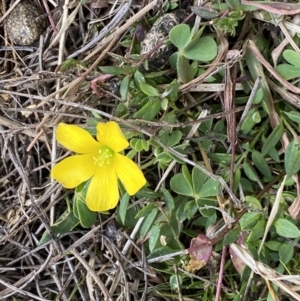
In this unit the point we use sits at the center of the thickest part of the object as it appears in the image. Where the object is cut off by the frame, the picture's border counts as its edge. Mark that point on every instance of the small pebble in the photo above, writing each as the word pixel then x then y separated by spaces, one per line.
pixel 25 24
pixel 160 31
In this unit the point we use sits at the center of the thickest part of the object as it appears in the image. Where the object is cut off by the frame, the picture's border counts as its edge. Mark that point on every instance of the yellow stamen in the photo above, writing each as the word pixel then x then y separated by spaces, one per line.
pixel 104 156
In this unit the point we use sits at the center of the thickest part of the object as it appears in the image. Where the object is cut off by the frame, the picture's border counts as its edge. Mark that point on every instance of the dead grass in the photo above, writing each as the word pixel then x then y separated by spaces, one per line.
pixel 81 265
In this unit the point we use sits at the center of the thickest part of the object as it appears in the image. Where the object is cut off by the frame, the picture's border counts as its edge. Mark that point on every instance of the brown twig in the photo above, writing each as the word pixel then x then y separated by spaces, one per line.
pixel 46 6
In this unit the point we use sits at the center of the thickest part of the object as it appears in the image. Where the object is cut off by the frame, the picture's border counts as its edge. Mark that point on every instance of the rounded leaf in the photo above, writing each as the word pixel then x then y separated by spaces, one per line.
pixel 184 69
pixel 293 115
pixel 149 110
pixel 286 228
pixel 273 139
pixel 204 50
pixel 87 217
pixel 180 185
pixel 198 178
pixel 292 57
pixel 124 87
pixel 292 159
pixel 286 252
pixel 123 208
pixel 210 188
pixel 148 89
pixel 261 164
pixel 288 71
pixel 180 36
pixel 175 282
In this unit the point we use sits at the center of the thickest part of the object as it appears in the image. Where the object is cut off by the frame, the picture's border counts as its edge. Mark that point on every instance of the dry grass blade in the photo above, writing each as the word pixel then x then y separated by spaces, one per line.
pixel 255 51
pixel 267 273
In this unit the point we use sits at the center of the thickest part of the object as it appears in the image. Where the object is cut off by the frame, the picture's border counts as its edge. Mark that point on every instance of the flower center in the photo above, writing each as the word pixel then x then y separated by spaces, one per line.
pixel 103 157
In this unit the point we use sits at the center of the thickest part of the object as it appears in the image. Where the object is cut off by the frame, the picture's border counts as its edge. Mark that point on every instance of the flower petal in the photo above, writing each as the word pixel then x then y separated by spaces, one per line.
pixel 74 170
pixel 76 139
pixel 103 192
pixel 129 174
pixel 111 135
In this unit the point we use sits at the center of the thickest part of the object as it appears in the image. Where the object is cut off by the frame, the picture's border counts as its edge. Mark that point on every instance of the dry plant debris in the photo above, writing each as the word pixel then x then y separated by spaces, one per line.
pixel 211 113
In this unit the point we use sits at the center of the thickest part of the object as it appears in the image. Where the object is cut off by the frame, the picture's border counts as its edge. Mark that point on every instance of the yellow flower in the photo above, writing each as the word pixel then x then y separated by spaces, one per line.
pixel 99 160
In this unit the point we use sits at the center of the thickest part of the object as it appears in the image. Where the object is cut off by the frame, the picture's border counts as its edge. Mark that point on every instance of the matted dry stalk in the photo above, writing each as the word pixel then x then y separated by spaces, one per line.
pixel 30 77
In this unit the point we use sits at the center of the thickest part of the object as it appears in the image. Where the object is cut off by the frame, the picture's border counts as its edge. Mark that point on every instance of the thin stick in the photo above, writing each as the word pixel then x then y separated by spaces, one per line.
pixel 249 104
pixel 9 10
pixel 221 272
pixel 258 56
